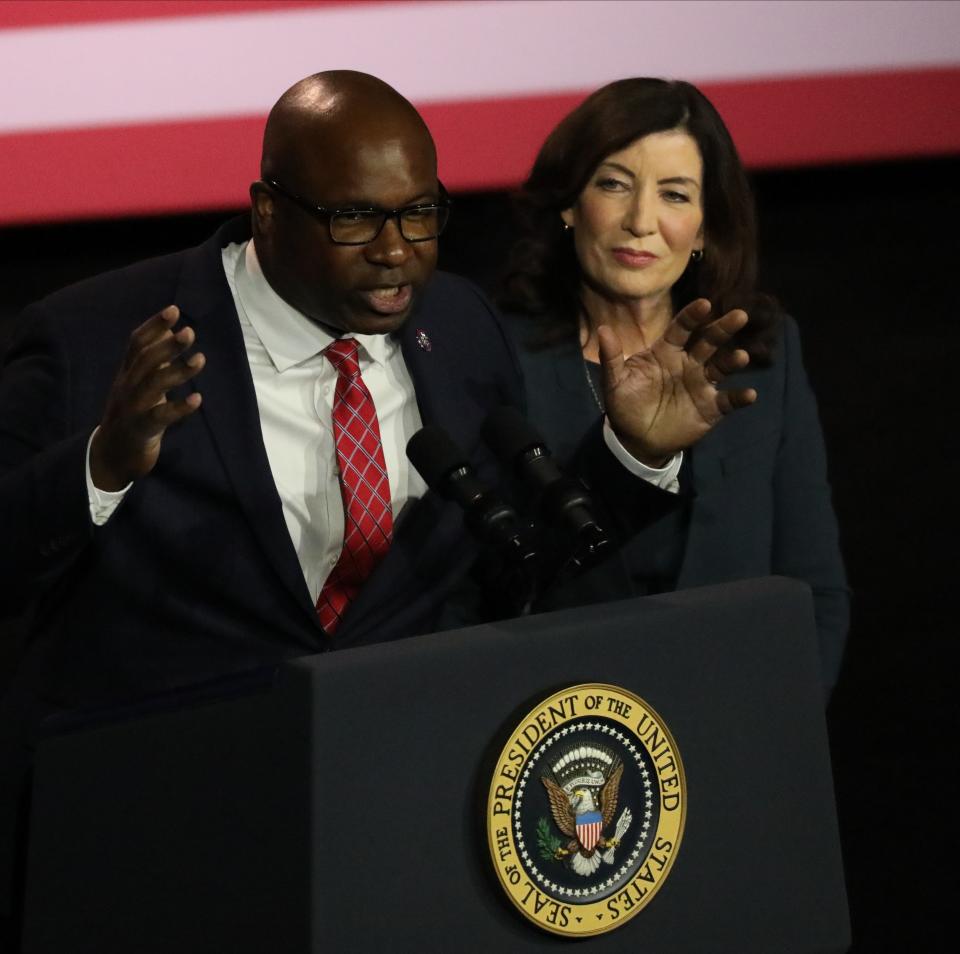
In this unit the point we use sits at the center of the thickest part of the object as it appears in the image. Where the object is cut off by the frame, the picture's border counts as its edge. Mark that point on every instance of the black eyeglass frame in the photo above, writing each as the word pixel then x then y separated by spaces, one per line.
pixel 320 212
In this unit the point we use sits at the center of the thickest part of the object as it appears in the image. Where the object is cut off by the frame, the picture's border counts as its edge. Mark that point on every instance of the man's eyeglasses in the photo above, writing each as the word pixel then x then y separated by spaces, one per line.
pixel 417 223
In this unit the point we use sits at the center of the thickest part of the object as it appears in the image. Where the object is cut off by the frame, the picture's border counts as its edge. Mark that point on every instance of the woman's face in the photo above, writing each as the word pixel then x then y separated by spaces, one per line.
pixel 640 216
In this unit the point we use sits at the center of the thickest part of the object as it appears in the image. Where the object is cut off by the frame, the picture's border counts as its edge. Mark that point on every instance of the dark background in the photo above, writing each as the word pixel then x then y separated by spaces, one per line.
pixel 862 256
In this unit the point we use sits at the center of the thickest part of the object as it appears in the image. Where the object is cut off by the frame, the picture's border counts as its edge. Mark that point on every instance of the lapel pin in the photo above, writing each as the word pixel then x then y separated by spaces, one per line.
pixel 423 340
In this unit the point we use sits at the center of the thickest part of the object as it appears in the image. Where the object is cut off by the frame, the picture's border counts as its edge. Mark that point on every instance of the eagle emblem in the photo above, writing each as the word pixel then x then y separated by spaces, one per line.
pixel 586 809
pixel 583 788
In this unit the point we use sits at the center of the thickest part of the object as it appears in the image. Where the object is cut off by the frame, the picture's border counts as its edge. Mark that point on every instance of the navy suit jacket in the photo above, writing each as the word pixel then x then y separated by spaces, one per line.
pixel 759 501
pixel 195 574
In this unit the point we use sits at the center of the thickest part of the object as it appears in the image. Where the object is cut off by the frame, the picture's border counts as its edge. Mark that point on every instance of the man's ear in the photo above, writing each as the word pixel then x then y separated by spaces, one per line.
pixel 261 208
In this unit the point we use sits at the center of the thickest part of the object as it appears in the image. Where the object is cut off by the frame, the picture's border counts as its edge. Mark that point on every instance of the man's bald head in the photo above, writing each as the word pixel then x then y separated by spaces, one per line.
pixel 328 111
pixel 345 142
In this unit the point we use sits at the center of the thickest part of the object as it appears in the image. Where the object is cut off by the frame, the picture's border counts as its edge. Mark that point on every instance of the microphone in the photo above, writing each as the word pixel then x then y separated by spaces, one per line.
pixel 445 468
pixel 563 501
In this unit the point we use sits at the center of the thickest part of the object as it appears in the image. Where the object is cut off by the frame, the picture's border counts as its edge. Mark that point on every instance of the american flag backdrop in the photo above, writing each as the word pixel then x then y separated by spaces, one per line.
pixel 120 107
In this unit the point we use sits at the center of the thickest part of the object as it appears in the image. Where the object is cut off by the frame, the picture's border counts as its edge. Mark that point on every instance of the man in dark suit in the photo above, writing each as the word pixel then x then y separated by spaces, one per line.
pixel 215 511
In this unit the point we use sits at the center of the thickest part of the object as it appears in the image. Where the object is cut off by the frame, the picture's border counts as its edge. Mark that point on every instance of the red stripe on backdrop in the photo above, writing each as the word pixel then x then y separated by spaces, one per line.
pixel 775 123
pixel 128 170
pixel 489 144
pixel 843 118
pixel 42 13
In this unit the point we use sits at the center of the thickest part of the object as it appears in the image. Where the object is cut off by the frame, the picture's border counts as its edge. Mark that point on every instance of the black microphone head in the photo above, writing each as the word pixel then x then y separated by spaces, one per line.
pixel 509 434
pixel 433 452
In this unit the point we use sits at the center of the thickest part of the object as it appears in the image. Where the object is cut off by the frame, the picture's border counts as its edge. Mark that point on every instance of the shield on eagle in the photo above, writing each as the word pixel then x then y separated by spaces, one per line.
pixel 589 827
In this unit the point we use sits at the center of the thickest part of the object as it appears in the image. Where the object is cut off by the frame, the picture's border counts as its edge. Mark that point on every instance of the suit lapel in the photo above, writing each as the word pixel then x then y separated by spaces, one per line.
pixel 422 341
pixel 230 409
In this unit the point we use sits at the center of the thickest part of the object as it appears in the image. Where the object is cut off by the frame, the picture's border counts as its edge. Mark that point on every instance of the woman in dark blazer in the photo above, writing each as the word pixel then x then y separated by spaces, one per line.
pixel 637 204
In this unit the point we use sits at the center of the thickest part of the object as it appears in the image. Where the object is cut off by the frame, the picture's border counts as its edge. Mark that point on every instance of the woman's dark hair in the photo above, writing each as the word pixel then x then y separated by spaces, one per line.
pixel 543 275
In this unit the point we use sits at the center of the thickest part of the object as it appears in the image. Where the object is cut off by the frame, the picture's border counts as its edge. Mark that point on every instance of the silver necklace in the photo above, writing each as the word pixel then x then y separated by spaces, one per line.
pixel 593 390
pixel 585 326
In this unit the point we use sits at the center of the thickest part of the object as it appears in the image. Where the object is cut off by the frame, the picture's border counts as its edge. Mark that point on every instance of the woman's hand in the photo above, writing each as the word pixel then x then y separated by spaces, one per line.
pixel 665 399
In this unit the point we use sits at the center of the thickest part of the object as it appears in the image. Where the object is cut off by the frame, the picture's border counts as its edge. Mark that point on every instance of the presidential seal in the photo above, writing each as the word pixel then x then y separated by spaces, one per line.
pixel 586 810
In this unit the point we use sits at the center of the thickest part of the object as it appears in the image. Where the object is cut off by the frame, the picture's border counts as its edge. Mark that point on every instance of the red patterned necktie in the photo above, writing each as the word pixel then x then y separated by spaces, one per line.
pixel 364 484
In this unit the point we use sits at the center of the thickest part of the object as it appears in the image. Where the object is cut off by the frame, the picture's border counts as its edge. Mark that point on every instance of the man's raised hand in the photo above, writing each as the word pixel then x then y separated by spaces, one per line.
pixel 664 399
pixel 137 413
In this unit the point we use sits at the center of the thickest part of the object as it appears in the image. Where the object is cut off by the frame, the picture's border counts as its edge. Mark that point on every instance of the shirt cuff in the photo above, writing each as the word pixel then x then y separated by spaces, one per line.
pixel 102 502
pixel 666 478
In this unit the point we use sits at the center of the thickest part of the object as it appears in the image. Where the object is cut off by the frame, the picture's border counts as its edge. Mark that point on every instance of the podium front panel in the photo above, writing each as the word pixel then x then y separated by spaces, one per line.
pixel 342 808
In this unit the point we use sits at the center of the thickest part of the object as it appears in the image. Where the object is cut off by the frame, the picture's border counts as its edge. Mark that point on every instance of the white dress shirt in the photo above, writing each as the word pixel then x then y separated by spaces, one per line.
pixel 295 386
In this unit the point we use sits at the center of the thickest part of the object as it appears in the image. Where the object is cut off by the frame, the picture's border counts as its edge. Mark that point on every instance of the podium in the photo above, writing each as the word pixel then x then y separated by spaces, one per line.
pixel 339 805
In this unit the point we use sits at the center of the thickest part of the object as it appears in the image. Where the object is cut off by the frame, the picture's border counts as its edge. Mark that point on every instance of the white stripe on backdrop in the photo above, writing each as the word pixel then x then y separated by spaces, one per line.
pixel 198 67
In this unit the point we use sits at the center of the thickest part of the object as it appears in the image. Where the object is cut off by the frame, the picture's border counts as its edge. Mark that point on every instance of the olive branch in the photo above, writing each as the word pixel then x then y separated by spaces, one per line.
pixel 547 842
